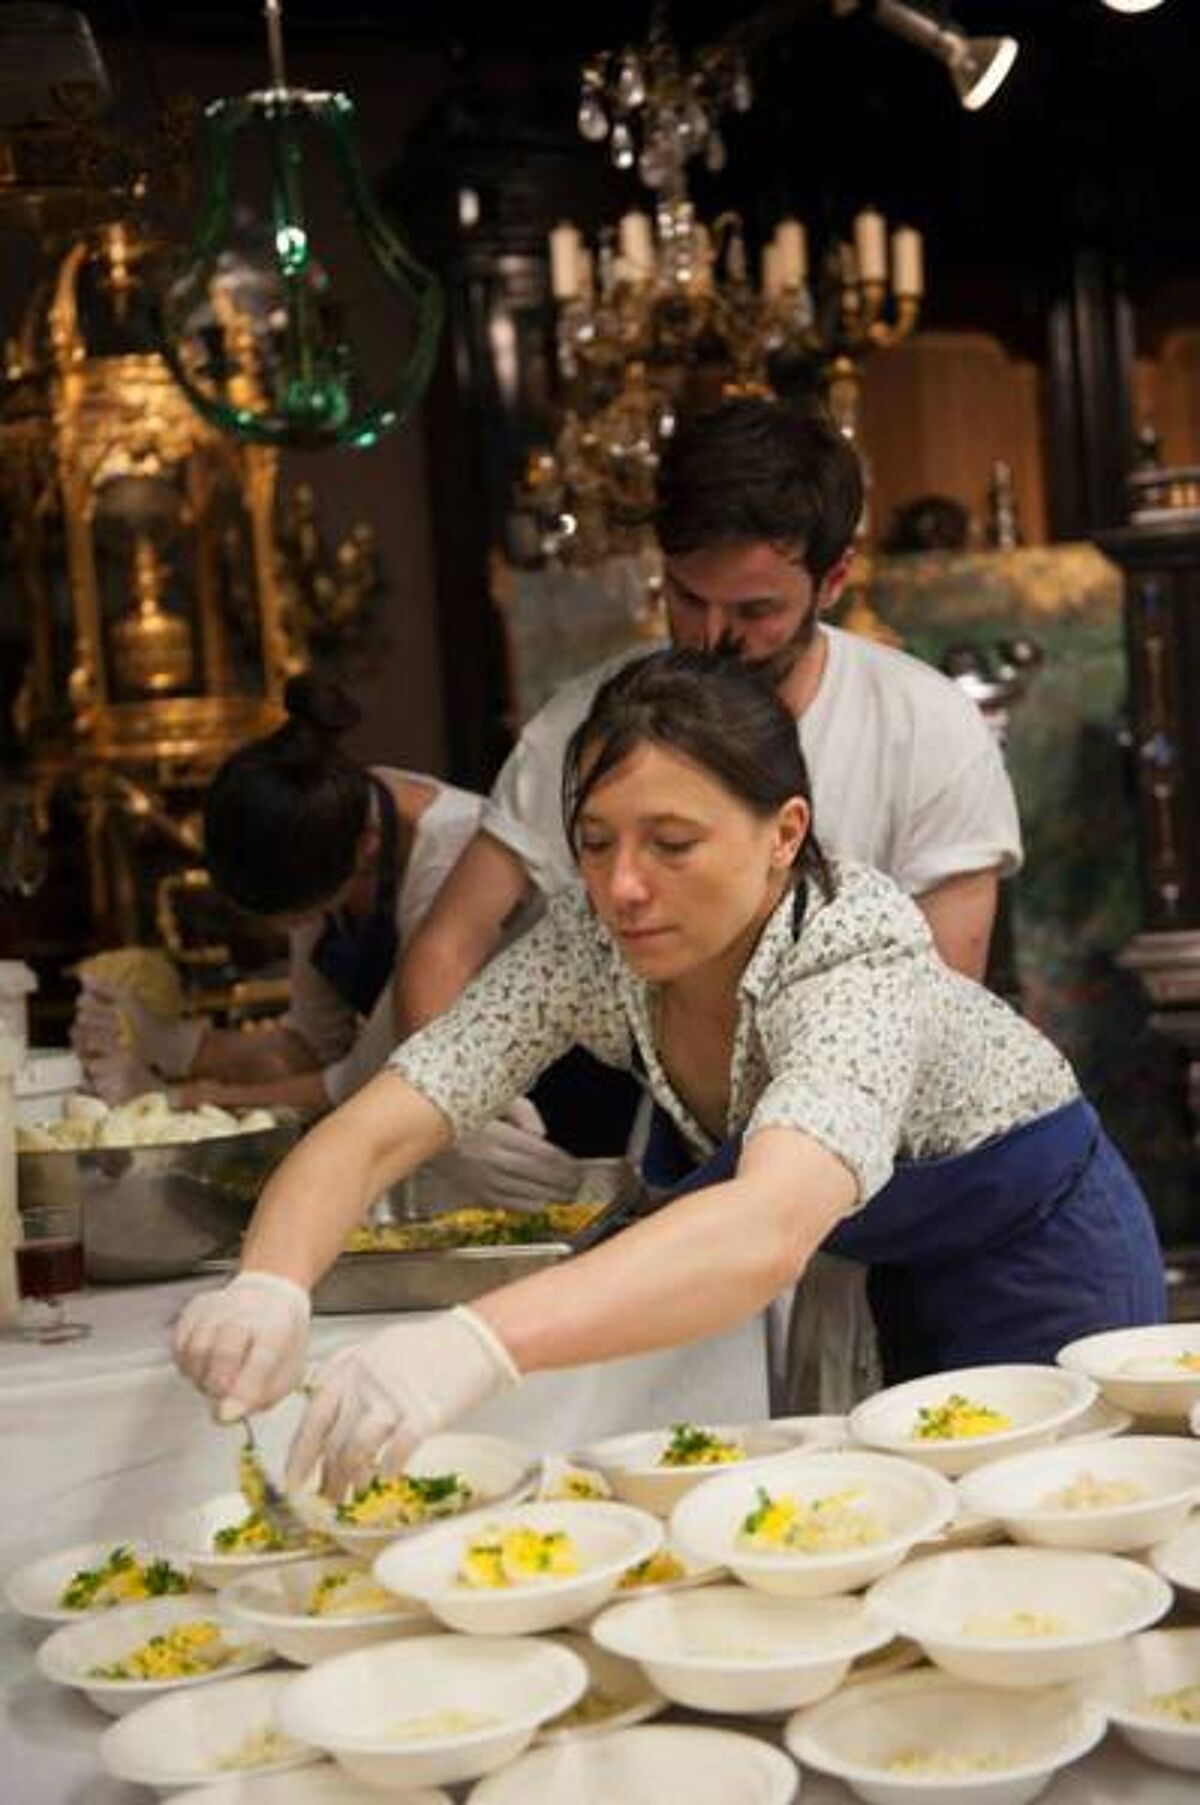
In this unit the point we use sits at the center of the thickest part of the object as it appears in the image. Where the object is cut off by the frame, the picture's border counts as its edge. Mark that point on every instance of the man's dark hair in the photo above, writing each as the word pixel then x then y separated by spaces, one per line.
pixel 713 709
pixel 754 469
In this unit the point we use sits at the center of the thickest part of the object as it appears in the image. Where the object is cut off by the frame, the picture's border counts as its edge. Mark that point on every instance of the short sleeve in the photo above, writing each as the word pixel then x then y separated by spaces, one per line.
pixel 841 1033
pixel 550 989
pixel 964 817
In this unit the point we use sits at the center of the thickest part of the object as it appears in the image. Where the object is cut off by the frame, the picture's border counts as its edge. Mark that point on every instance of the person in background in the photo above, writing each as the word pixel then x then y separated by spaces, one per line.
pixel 824 1076
pixel 347 861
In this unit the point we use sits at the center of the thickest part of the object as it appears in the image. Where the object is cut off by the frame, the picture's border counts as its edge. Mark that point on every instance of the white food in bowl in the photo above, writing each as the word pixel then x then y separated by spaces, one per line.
pixel 314 1609
pixel 1110 1496
pixel 1038 1404
pixel 634 1465
pixel 660 1762
pixel 906 1504
pixel 603 1540
pixel 73 1655
pixel 1020 1617
pixel 432 1710
pixel 1153 1371
pixel 732 1650
pixel 926 1739
pixel 194 1737
pixel 1151 1692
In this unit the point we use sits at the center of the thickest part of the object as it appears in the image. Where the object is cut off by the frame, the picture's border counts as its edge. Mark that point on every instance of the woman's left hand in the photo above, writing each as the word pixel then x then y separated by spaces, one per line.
pixel 374 1402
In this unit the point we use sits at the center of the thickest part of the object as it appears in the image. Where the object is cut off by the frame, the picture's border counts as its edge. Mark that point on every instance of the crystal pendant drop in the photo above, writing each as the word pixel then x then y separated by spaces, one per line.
pixel 622 145
pixel 591 118
pixel 631 89
pixel 715 156
pixel 743 90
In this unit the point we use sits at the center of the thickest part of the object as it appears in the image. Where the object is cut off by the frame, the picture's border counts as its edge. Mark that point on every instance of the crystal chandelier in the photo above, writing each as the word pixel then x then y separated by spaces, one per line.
pixel 658 109
pixel 665 314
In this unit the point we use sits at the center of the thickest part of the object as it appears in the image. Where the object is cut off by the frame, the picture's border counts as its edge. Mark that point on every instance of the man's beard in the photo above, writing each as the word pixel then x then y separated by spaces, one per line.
pixel 778 665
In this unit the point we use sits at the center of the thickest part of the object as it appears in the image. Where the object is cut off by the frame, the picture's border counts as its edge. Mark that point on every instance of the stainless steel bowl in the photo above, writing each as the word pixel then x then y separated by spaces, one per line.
pixel 156 1212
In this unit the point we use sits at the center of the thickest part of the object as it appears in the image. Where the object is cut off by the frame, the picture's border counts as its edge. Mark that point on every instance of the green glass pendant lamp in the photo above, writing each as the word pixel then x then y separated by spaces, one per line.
pixel 253 326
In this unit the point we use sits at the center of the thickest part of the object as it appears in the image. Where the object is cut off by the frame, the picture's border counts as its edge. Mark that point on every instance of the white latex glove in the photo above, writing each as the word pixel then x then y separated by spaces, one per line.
pixel 374 1402
pixel 245 1347
pixel 509 1164
pixel 168 1043
pixel 119 1075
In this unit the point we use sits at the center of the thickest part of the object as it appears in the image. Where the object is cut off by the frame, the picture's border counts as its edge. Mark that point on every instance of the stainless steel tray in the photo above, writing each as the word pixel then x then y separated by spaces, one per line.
pixel 360 1282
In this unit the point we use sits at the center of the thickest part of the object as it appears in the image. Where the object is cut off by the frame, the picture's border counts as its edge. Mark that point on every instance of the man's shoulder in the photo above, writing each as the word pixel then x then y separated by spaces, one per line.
pixel 898 684
pixel 562 712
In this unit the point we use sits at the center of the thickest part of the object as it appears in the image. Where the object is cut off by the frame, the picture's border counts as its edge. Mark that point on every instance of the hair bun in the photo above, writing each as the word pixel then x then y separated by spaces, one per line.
pixel 321 704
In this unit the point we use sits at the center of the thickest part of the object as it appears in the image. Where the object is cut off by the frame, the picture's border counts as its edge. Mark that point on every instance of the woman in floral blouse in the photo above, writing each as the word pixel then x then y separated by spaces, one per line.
pixel 820 1078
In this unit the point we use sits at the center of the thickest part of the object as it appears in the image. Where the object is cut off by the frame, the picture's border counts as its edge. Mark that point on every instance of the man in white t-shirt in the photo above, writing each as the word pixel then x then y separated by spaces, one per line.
pixel 758 504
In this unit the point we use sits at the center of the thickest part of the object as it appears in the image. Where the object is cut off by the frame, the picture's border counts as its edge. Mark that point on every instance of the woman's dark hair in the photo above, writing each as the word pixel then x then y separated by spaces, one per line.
pixel 760 470
pixel 709 706
pixel 284 815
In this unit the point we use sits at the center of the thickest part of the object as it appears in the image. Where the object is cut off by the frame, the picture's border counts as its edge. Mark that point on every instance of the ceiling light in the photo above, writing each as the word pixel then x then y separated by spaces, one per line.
pixel 977 66
pixel 1132 6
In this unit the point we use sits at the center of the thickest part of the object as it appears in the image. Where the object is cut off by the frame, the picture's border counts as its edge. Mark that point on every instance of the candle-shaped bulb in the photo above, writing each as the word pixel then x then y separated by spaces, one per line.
pixel 566 247
pixel 870 245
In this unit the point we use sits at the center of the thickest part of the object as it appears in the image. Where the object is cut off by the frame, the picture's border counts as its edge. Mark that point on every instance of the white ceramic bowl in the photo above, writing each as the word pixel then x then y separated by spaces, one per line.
pixel 358 1706
pixel 1042 1402
pixel 272 1608
pixel 631 1463
pixel 618 1694
pixel 195 1738
pixel 186 1538
pixel 35 1589
pixel 855 1736
pixel 499 1472
pixel 670 1763
pixel 967 1610
pixel 1018 1492
pixel 67 1656
pixel 911 1502
pixel 732 1650
pixel 1178 1559
pixel 1145 1667
pixel 322 1785
pixel 610 1538
pixel 1099 1422
pixel 1138 1370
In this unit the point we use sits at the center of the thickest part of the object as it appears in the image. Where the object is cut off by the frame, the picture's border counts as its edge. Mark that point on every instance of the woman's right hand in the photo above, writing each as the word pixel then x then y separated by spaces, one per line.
pixel 245 1347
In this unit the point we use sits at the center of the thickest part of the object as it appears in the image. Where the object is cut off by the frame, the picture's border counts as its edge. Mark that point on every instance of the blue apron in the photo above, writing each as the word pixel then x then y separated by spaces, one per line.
pixel 357 956
pixel 1000 1254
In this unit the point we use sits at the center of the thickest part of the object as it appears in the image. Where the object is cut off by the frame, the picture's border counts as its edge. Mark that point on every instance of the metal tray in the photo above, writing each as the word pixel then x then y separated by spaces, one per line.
pixel 361 1282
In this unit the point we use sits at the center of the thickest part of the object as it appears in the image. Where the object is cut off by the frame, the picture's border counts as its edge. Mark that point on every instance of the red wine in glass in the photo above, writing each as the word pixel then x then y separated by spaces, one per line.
pixel 51 1268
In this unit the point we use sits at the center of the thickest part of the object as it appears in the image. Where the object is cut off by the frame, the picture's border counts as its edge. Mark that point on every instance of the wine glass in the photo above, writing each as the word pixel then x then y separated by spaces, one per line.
pixel 49 1259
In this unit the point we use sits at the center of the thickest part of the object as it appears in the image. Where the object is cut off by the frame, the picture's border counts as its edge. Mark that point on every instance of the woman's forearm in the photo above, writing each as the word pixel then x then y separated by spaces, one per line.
pixel 698 1267
pixel 324 1187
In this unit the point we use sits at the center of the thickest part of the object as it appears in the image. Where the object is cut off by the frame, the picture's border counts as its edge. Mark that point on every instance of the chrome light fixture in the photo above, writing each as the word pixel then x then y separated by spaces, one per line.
pixel 977 66
pixel 254 328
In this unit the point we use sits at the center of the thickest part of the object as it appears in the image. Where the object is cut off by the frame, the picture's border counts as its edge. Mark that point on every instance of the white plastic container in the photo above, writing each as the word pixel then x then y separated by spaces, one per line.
pixel 44 1082
pixel 17 983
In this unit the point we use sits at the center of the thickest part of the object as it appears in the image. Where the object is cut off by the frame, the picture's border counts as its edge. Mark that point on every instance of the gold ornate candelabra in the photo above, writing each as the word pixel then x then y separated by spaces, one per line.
pixel 665 315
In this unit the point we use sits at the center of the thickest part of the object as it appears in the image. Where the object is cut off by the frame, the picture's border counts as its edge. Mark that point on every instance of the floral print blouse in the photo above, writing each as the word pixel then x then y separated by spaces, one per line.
pixel 849 1029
